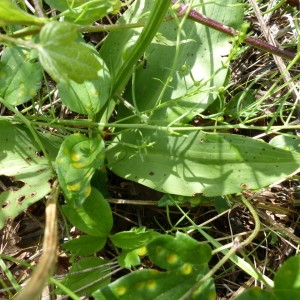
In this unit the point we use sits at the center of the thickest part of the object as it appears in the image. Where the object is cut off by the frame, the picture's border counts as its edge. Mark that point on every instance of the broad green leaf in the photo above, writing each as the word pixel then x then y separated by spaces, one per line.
pixel 87 97
pixel 154 285
pixel 24 170
pixel 167 90
pixel 85 245
pixel 198 162
pixel 170 252
pixel 12 14
pixel 62 57
pixel 135 238
pixel 20 78
pixel 287 280
pixel 85 276
pixel 129 53
pixel 76 162
pixel 85 12
pixel 93 217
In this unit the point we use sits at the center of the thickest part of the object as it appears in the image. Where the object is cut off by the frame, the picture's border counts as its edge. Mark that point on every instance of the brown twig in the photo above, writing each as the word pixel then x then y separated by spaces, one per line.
pixel 202 19
pixel 47 262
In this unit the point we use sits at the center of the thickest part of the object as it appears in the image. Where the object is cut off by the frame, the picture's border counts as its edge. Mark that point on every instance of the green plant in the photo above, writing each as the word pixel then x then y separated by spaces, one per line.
pixel 135 99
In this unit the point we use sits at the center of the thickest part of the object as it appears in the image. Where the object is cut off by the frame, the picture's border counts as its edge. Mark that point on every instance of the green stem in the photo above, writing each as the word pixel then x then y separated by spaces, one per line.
pixel 89 124
pixel 236 246
pixel 156 17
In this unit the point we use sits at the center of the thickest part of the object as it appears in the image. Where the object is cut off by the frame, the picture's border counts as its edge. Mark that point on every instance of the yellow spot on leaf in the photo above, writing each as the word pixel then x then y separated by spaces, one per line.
pixel 172 258
pixel 154 272
pixel 78 165
pixel 75 156
pixel 142 251
pixel 151 284
pixel 187 269
pixel 3 75
pixel 73 187
pixel 87 191
pixel 66 150
pixel 121 290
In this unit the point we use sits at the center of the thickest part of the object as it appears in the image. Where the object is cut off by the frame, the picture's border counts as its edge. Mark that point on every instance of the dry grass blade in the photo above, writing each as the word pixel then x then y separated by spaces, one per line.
pixel 47 262
pixel 277 59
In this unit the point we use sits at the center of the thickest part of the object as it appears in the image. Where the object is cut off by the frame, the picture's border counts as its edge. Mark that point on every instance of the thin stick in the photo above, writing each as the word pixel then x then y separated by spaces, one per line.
pixel 202 19
pixel 47 262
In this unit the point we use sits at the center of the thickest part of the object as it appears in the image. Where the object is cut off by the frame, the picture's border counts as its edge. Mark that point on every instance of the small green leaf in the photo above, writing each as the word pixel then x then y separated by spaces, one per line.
pixel 63 58
pixel 85 276
pixel 93 217
pixel 20 78
pixel 135 238
pixel 131 258
pixel 87 97
pixel 85 12
pixel 76 162
pixel 154 285
pixel 12 14
pixel 171 253
pixel 286 142
pixel 85 245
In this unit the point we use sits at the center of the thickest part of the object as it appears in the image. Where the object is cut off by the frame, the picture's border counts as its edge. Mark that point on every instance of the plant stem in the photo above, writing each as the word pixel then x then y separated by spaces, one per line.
pixel 236 246
pixel 40 121
pixel 156 17
pixel 202 19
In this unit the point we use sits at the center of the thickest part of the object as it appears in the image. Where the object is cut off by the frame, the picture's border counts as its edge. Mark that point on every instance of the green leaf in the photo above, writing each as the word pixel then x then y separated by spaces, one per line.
pixel 135 238
pixel 122 65
pixel 12 14
pixel 286 284
pixel 88 97
pixel 131 258
pixel 287 280
pixel 85 245
pixel 255 293
pixel 86 275
pixel 168 90
pixel 198 162
pixel 76 162
pixel 85 12
pixel 170 252
pixel 93 217
pixel 20 78
pixel 171 200
pixel 286 142
pixel 63 58
pixel 23 169
pixel 154 285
